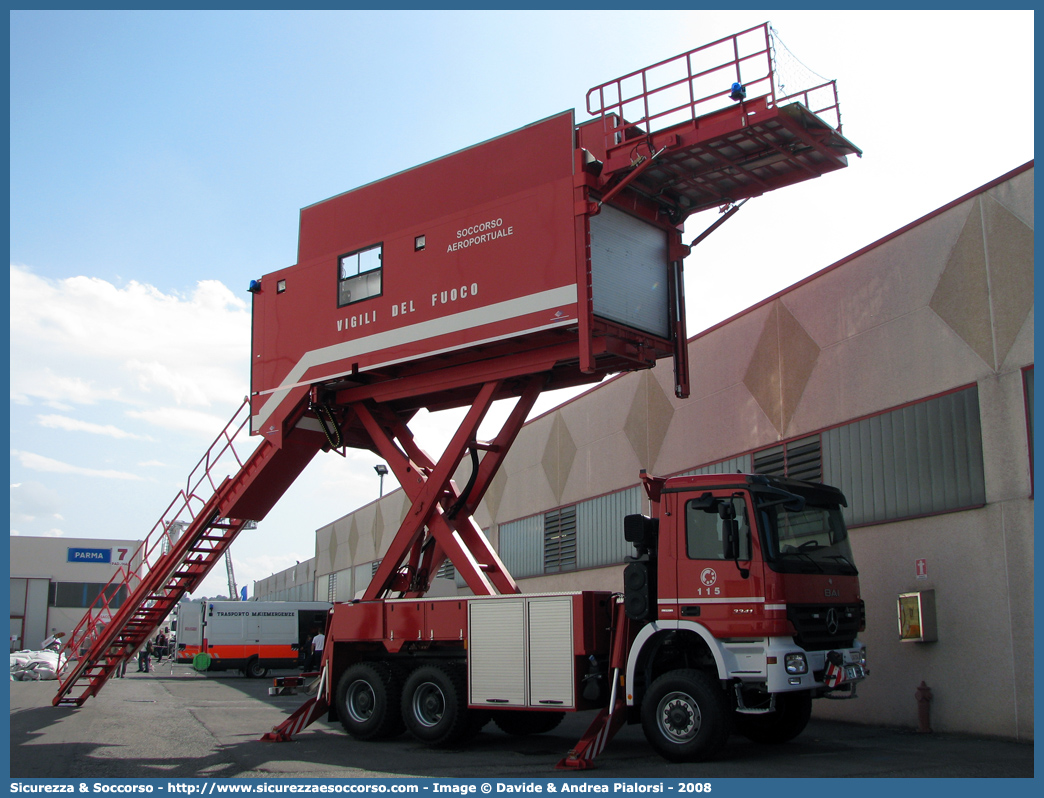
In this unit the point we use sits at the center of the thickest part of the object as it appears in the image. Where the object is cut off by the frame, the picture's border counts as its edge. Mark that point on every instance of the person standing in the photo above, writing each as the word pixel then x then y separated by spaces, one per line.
pixel 121 666
pixel 317 650
pixel 145 657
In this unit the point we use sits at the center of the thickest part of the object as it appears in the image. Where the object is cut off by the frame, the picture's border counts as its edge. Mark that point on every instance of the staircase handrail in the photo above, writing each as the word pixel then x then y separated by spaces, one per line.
pixel 145 556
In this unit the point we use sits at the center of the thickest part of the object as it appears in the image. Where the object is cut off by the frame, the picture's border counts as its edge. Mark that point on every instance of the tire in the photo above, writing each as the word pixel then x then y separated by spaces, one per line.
pixel 686 716
pixel 435 706
pixel 520 722
pixel 367 701
pixel 792 714
pixel 255 670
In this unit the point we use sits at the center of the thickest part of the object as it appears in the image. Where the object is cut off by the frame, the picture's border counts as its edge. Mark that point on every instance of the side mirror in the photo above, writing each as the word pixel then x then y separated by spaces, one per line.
pixel 730 539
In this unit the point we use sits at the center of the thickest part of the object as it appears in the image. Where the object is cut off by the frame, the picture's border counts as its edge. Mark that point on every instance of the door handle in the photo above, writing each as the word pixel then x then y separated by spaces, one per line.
pixel 691 611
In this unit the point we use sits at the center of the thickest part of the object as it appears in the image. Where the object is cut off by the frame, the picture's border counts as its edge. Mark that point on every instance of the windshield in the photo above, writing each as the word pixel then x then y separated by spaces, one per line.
pixel 813 539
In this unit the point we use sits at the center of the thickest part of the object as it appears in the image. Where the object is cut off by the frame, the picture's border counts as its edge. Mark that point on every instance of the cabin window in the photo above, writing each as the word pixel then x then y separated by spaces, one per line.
pixel 359 275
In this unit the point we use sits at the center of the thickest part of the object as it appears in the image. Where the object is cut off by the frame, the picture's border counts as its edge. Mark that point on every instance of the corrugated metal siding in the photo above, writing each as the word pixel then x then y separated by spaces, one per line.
pixel 361 578
pixel 522 546
pixel 734 465
pixel 599 528
pixel 345 591
pixel 917 460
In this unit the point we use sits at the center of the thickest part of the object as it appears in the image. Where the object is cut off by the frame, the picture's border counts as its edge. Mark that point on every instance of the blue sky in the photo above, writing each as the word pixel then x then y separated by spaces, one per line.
pixel 159 161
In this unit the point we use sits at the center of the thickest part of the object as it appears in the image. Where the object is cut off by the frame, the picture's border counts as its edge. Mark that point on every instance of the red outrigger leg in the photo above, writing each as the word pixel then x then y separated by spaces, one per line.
pixel 608 722
pixel 601 731
pixel 305 715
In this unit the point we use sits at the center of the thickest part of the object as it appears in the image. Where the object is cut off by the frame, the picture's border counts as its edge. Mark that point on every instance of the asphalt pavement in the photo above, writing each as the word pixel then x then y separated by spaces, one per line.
pixel 176 723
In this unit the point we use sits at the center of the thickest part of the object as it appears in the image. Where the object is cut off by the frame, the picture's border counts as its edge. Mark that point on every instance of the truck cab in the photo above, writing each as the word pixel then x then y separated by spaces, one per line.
pixel 747 584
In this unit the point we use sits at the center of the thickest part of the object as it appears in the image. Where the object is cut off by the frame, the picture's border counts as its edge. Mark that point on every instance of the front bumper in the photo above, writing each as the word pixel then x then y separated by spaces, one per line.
pixel 853 667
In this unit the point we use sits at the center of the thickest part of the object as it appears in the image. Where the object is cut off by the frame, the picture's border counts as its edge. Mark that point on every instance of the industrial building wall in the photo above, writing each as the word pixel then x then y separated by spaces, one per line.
pixel 54 581
pixel 296 583
pixel 904 374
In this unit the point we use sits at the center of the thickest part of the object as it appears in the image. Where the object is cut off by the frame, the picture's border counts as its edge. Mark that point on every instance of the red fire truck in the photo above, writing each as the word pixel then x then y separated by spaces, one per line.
pixel 548 257
pixel 740 606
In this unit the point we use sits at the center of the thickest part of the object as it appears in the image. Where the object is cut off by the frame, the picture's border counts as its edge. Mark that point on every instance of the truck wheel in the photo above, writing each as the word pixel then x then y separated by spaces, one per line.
pixel 368 697
pixel 685 716
pixel 792 714
pixel 521 723
pixel 434 705
pixel 255 670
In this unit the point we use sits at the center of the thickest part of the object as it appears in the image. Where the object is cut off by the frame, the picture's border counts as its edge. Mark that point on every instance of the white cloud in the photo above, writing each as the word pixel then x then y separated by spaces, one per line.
pixel 181 419
pixel 31 500
pixel 76 425
pixel 128 344
pixel 153 374
pixel 37 462
pixel 30 381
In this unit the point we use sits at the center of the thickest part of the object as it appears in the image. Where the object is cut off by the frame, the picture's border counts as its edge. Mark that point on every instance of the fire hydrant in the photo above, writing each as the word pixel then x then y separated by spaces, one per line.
pixel 924 698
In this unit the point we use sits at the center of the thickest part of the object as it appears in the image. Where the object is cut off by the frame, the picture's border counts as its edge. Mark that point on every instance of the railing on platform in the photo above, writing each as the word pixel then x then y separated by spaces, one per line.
pixel 700 82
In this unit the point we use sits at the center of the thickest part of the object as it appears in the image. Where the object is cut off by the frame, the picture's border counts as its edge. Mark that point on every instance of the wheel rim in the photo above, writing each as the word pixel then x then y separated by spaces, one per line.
pixel 678 717
pixel 360 701
pixel 429 704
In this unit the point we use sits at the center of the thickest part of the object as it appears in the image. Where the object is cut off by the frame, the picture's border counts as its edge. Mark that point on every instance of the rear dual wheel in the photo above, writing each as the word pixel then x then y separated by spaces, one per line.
pixel 368 700
pixel 435 705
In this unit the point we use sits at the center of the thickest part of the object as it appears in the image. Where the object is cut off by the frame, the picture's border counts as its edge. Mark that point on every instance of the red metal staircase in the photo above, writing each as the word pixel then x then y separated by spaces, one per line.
pixel 223 492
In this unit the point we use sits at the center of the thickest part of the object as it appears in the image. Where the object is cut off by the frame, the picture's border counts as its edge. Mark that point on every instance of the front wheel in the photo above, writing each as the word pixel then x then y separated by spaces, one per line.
pixel 793 711
pixel 685 716
pixel 367 700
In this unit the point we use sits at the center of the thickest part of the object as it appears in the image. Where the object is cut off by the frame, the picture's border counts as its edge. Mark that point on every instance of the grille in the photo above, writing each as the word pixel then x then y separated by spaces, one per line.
pixel 813 630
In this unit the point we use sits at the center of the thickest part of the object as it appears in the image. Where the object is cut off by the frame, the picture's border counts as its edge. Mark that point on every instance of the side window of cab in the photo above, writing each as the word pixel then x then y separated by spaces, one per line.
pixel 704 525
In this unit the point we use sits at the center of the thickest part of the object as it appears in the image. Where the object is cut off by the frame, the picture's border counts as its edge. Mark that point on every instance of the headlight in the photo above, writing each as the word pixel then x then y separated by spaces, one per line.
pixel 795 663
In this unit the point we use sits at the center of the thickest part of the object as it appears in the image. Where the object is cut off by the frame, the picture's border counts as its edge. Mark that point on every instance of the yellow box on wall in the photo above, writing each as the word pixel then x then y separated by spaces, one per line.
pixel 916 613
